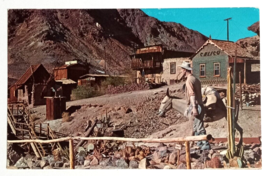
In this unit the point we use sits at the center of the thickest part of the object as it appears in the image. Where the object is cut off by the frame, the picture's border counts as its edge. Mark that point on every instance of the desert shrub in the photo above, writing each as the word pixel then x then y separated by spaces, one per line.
pixel 82 92
pixel 131 75
pixel 113 81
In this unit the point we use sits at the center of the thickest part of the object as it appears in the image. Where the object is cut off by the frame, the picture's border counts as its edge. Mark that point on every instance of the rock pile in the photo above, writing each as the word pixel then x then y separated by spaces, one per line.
pixel 115 154
pixel 251 94
pixel 126 88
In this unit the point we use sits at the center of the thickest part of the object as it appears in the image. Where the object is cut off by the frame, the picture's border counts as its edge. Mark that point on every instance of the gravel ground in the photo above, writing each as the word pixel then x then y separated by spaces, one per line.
pixel 135 112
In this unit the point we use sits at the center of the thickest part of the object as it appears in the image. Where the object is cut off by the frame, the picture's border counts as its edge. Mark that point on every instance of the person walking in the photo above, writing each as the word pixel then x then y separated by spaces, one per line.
pixel 195 110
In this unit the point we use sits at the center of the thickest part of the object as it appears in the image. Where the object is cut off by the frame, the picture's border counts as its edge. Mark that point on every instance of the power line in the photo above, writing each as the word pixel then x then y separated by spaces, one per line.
pixel 220 32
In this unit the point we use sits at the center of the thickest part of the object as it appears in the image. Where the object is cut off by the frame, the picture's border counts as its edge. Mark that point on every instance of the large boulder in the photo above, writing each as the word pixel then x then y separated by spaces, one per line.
pixel 21 163
pixel 121 163
pixel 44 163
pixel 14 153
pixel 142 164
pixel 133 164
pixel 173 158
pixel 94 162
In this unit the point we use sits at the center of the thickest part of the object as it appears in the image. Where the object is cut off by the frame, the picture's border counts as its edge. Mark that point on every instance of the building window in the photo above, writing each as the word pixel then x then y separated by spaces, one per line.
pixel 173 68
pixel 202 70
pixel 255 67
pixel 216 69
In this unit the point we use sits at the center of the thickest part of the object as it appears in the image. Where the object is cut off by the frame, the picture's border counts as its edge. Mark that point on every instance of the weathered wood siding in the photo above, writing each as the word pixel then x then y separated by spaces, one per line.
pixel 60 74
pixel 209 55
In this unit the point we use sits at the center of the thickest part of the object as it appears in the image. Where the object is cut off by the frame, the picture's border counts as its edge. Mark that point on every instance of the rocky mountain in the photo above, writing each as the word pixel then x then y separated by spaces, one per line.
pixel 255 28
pixel 252 44
pixel 52 37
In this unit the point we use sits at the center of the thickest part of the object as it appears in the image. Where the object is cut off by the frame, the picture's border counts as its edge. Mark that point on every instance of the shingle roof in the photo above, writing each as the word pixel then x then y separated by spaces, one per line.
pixel 29 72
pixel 228 47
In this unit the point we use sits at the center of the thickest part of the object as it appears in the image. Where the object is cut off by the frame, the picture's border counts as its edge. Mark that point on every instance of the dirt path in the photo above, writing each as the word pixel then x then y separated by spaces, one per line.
pixel 135 112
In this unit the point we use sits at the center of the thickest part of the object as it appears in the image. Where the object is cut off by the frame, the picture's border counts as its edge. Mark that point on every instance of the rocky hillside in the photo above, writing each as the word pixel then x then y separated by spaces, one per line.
pixel 255 28
pixel 252 44
pixel 52 37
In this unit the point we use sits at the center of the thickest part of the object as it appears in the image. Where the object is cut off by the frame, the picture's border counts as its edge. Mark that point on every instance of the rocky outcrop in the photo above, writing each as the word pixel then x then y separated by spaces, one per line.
pixel 252 44
pixel 152 31
pixel 255 28
pixel 52 37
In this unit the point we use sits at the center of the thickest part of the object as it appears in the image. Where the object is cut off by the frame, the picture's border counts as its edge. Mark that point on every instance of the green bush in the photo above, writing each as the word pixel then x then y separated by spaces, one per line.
pixel 114 81
pixel 131 75
pixel 82 92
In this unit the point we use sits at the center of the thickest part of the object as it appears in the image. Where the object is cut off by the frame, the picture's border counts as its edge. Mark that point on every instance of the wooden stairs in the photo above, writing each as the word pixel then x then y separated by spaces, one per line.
pixel 19 120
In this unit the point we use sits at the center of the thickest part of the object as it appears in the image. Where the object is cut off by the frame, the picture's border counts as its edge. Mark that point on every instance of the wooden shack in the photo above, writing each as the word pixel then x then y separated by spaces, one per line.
pixel 32 86
pixel 67 75
pixel 70 70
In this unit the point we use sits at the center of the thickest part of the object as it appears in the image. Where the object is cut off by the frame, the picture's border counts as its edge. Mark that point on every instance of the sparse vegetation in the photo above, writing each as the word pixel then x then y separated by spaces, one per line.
pixel 131 75
pixel 82 92
pixel 113 81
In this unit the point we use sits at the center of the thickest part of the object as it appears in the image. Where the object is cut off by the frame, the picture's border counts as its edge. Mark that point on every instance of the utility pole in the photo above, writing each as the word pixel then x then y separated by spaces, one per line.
pixel 227 27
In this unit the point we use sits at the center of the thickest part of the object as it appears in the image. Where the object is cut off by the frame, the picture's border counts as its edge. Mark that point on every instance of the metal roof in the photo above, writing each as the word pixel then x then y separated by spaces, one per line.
pixel 66 81
pixel 100 75
pixel 68 65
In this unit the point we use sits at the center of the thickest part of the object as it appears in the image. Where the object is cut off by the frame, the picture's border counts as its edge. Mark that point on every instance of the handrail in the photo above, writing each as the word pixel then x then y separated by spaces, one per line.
pixel 147 140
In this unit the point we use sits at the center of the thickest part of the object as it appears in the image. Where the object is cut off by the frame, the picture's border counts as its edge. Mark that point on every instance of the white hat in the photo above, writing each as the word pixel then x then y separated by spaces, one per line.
pixel 186 65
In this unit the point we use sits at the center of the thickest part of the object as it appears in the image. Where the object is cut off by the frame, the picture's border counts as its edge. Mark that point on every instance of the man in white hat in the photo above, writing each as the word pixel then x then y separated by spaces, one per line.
pixel 195 111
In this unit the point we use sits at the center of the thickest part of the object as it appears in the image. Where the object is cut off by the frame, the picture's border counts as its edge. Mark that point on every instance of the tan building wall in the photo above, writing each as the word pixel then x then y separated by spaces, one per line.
pixel 166 76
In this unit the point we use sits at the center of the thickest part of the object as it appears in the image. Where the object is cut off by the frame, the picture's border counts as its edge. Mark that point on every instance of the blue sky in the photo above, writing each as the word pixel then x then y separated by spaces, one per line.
pixel 210 21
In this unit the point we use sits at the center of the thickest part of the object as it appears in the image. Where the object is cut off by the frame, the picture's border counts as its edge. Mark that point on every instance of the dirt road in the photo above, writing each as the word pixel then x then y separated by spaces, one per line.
pixel 135 113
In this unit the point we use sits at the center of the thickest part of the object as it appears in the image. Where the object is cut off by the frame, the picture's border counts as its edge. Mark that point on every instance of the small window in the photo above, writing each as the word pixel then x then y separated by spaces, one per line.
pixel 216 69
pixel 202 70
pixel 255 67
pixel 173 68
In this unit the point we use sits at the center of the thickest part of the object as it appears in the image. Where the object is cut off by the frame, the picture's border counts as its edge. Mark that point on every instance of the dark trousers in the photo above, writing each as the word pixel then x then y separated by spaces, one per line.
pixel 198 129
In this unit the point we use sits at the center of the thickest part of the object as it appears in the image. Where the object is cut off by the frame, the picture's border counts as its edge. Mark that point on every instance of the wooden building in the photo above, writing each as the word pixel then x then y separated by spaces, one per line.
pixel 148 62
pixel 32 86
pixel 212 59
pixel 67 76
pixel 171 69
pixel 70 70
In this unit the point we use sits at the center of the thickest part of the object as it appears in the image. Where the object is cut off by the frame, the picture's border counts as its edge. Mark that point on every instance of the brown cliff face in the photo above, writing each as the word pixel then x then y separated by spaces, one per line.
pixel 255 28
pixel 52 37
pixel 152 31
pixel 252 44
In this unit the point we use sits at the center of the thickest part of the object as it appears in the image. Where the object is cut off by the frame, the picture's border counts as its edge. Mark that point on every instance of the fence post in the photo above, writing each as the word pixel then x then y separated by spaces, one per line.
pixel 40 130
pixel 240 83
pixel 187 149
pixel 71 153
pixel 48 131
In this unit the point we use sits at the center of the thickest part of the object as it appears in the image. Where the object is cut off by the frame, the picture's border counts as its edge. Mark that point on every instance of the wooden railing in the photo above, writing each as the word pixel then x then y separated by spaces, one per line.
pixel 28 128
pixel 138 64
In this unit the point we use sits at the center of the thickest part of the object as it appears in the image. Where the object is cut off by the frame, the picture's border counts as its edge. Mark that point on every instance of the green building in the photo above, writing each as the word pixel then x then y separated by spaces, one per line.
pixel 212 59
